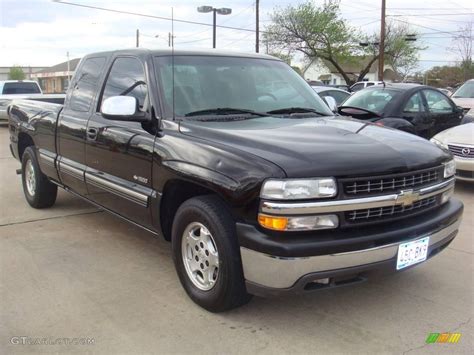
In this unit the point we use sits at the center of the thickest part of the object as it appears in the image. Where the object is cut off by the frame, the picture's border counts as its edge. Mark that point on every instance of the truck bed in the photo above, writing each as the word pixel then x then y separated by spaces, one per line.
pixel 23 113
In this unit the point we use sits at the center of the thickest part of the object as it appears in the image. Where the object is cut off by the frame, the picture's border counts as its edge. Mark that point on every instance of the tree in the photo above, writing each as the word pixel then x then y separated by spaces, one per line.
pixel 319 32
pixel 463 47
pixel 314 31
pixel 444 76
pixel 401 54
pixel 16 73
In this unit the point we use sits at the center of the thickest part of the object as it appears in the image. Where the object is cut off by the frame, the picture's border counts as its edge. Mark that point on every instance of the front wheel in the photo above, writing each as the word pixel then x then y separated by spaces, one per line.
pixel 206 254
pixel 38 190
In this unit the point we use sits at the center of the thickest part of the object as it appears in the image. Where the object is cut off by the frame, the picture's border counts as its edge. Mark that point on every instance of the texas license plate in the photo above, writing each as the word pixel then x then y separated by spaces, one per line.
pixel 412 252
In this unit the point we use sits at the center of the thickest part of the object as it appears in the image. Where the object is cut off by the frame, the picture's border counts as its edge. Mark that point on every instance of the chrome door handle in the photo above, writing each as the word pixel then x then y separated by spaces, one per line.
pixel 92 133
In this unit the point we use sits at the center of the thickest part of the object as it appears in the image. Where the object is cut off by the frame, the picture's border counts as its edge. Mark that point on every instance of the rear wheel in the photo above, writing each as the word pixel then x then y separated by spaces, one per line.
pixel 38 190
pixel 206 254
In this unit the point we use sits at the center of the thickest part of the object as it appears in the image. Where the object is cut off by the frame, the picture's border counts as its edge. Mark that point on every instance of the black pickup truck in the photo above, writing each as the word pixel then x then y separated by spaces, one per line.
pixel 236 160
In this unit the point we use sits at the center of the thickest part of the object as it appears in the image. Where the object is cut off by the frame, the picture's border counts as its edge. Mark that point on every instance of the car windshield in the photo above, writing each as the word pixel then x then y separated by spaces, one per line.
pixel 465 91
pixel 20 88
pixel 208 83
pixel 374 100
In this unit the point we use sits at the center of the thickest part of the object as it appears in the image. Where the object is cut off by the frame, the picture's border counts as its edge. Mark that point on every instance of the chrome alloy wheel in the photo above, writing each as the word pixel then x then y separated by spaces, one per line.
pixel 30 178
pixel 200 256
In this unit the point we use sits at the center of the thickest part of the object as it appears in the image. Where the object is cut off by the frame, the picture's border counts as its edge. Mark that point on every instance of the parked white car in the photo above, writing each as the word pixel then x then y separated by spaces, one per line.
pixel 460 142
pixel 464 97
pixel 364 84
pixel 13 89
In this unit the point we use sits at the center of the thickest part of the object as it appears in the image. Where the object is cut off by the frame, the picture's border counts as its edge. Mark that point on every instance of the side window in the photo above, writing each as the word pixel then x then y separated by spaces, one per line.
pixel 437 102
pixel 357 87
pixel 369 84
pixel 127 78
pixel 414 104
pixel 85 84
pixel 337 95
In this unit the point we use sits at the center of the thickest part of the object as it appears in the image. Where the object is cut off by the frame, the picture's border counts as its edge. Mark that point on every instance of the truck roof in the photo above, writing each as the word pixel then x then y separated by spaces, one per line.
pixel 196 52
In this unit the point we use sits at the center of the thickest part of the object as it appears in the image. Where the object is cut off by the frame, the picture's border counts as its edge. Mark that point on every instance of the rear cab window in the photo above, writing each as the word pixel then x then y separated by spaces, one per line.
pixel 20 88
pixel 85 84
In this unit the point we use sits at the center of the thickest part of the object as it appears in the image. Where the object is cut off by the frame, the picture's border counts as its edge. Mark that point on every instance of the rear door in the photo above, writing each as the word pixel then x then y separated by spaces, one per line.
pixel 442 110
pixel 71 131
pixel 119 153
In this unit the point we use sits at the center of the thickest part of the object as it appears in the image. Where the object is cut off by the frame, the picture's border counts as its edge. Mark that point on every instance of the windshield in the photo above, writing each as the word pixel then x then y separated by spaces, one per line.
pixel 374 100
pixel 20 88
pixel 465 91
pixel 210 82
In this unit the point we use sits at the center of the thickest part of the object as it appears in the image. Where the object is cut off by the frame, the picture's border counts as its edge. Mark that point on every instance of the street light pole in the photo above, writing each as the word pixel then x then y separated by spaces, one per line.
pixel 221 11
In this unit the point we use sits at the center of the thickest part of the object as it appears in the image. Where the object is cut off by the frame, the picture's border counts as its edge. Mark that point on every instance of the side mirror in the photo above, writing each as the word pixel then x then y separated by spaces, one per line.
pixel 331 102
pixel 122 108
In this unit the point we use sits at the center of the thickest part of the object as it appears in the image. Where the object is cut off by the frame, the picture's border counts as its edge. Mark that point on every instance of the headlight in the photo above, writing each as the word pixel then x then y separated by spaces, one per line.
pixel 438 143
pixel 299 189
pixel 449 168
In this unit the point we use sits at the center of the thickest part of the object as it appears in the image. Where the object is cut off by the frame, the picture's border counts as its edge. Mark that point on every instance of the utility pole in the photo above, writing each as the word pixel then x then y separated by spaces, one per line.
pixel 138 38
pixel 382 41
pixel 214 16
pixel 257 29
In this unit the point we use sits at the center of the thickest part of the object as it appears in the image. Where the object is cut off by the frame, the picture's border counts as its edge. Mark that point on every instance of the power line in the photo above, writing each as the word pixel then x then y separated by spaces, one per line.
pixel 151 16
pixel 444 14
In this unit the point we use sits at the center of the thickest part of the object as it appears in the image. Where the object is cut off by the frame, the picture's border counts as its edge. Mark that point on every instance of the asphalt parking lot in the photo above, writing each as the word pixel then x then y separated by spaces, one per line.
pixel 73 271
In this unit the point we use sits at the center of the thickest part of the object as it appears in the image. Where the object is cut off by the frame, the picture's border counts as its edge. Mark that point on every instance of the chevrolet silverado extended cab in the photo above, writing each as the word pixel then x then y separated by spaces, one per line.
pixel 236 160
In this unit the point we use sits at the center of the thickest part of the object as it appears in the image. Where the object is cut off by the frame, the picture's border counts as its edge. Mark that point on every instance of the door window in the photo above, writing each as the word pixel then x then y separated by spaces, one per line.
pixel 85 84
pixel 357 87
pixel 414 104
pixel 437 102
pixel 127 78
pixel 339 96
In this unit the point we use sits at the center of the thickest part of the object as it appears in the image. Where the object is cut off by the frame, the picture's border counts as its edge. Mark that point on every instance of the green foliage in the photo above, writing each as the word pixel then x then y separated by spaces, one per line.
pixel 16 73
pixel 444 76
pixel 319 31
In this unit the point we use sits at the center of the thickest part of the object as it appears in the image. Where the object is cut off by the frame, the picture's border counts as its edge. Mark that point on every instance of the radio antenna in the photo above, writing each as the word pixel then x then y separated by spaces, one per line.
pixel 172 58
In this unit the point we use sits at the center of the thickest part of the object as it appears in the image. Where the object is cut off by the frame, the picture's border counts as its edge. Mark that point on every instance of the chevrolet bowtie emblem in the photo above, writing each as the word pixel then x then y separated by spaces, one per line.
pixel 407 197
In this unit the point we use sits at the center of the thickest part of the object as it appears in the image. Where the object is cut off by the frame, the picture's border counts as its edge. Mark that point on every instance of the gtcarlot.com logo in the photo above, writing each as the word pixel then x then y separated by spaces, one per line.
pixel 443 338
pixel 25 340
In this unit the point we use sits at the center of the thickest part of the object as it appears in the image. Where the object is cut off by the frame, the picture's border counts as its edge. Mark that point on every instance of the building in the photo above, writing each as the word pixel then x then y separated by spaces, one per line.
pixel 326 72
pixel 55 80
pixel 29 71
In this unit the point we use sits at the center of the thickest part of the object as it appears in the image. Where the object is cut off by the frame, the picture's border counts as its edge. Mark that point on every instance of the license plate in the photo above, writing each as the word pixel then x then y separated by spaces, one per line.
pixel 412 252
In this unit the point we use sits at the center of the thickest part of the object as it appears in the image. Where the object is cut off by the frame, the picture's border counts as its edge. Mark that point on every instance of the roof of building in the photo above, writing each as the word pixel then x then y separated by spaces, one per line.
pixel 61 67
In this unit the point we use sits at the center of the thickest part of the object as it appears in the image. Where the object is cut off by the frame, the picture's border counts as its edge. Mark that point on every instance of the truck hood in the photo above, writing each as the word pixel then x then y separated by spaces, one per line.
pixel 328 146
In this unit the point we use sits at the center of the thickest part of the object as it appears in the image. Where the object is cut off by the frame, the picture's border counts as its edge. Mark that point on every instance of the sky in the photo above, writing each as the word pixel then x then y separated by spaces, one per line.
pixel 42 32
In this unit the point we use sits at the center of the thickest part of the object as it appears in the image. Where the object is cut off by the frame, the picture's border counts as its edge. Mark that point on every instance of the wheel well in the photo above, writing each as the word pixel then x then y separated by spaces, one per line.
pixel 174 194
pixel 24 141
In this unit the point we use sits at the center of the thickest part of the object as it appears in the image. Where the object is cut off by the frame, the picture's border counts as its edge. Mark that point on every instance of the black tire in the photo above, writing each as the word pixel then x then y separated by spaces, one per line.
pixel 229 289
pixel 45 192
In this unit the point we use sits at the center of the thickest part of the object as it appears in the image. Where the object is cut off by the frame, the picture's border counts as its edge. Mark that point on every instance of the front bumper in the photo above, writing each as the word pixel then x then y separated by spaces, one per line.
pixel 339 263
pixel 464 169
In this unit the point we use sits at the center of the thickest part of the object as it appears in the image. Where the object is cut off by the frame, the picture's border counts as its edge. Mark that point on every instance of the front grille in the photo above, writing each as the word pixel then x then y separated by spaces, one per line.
pixel 391 183
pixel 374 214
pixel 465 174
pixel 462 151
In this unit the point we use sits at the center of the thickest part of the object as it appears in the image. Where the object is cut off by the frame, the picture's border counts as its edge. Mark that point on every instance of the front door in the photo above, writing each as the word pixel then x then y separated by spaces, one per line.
pixel 443 111
pixel 119 153
pixel 416 113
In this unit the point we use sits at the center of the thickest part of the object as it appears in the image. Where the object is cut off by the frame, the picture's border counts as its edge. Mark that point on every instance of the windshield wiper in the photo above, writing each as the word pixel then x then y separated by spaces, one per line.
pixel 224 111
pixel 290 110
